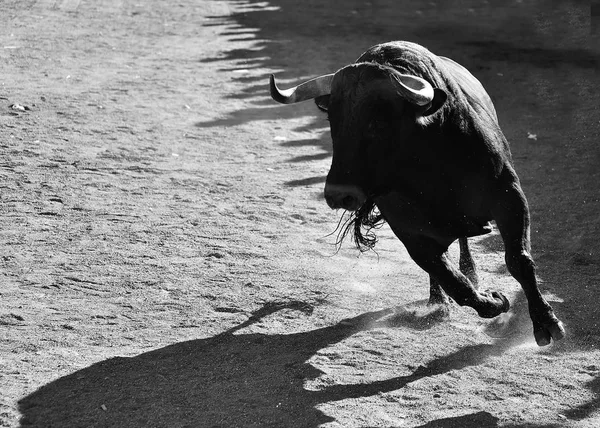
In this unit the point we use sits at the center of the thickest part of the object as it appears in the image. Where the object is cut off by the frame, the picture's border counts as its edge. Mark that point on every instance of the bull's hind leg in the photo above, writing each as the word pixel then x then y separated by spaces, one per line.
pixel 512 217
pixel 431 256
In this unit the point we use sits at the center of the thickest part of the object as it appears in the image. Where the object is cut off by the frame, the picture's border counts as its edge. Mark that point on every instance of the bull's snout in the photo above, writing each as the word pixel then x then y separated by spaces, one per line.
pixel 344 196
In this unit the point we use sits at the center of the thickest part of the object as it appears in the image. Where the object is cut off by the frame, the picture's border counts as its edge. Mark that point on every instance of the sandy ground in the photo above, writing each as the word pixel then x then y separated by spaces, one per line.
pixel 166 254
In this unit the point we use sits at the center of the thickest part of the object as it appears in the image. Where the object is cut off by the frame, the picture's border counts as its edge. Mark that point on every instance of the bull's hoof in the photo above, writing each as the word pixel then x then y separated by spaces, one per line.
pixel 551 330
pixel 494 304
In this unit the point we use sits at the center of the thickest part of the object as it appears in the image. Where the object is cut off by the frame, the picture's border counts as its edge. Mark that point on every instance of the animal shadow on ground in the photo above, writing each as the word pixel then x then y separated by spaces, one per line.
pixel 232 379
pixel 475 420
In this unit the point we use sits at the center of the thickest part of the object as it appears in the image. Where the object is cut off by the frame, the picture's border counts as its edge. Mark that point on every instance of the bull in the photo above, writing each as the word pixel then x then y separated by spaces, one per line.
pixel 416 143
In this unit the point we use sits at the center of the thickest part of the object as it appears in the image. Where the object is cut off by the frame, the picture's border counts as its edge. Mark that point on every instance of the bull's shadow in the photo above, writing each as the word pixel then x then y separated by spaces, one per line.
pixel 227 380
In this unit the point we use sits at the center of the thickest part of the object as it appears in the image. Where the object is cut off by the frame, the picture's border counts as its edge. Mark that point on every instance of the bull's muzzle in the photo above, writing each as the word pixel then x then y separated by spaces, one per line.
pixel 344 196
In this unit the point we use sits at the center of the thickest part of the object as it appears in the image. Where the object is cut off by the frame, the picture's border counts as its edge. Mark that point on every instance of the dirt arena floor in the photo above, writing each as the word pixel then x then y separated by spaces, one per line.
pixel 167 258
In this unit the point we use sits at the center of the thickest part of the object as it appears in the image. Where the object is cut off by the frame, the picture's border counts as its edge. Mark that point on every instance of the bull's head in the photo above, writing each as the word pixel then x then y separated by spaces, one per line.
pixel 372 109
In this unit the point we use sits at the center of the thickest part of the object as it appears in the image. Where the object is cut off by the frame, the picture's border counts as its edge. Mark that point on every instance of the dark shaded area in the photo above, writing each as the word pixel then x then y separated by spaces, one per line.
pixel 536 56
pixel 305 181
pixel 310 38
pixel 476 420
pixel 251 380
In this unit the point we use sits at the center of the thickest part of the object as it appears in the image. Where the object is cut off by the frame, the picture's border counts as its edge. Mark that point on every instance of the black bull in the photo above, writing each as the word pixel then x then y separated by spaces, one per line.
pixel 417 136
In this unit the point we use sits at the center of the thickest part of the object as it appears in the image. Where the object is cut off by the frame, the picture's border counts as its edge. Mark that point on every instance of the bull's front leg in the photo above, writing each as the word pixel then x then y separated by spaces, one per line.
pixel 431 256
pixel 466 263
pixel 406 217
pixel 512 218
pixel 428 246
pixel 467 268
pixel 436 293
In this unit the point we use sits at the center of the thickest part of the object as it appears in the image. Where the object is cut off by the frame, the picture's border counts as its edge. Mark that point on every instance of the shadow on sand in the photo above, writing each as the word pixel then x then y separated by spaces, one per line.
pixel 232 379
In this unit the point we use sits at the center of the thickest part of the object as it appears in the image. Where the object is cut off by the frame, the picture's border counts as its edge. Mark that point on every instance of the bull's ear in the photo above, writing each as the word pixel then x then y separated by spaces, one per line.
pixel 322 102
pixel 439 98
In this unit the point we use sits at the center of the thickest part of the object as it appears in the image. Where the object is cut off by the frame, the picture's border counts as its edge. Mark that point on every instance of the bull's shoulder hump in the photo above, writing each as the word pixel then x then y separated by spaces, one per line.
pixel 463 76
pixel 393 51
pixel 469 84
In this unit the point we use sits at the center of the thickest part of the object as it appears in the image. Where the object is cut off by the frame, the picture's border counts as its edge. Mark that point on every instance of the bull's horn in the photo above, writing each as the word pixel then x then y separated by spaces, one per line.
pixel 305 91
pixel 415 89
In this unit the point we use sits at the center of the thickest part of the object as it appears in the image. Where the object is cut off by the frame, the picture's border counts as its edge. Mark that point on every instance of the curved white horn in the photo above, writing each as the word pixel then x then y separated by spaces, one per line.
pixel 305 91
pixel 415 89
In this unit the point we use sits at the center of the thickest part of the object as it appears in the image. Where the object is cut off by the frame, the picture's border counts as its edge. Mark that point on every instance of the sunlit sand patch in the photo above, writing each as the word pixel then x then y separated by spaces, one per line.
pixel 417 315
pixel 361 287
pixel 421 309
